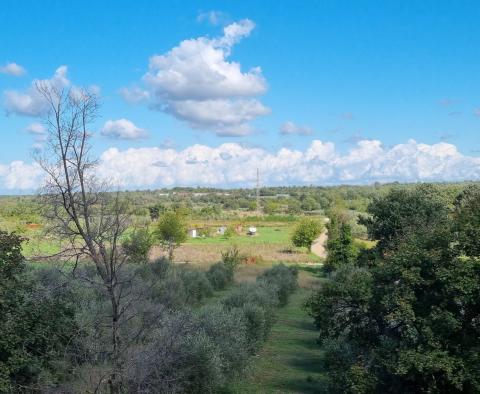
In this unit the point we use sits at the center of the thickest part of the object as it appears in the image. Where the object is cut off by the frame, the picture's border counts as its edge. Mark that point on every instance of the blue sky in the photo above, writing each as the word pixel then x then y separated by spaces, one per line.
pixel 365 77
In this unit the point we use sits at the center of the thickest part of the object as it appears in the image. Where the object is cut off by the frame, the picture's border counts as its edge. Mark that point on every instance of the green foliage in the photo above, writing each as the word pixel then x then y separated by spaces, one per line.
pixel 271 207
pixel 228 330
pixel 12 261
pixel 197 286
pixel 137 245
pixel 305 232
pixel 232 258
pixel 258 301
pixel 467 221
pixel 205 232
pixel 219 277
pixel 340 246
pixel 284 278
pixel 408 320
pixel 221 274
pixel 171 231
pixel 403 210
pixel 181 359
pixel 309 204
pixel 294 207
pixel 229 232
pixel 155 211
pixel 36 323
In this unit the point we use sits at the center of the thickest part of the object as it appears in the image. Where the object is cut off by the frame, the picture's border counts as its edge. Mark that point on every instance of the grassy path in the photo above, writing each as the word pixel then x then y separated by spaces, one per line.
pixel 291 360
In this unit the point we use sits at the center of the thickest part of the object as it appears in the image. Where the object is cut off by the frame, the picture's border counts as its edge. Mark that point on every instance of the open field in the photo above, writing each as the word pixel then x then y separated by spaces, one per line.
pixel 208 254
pixel 272 234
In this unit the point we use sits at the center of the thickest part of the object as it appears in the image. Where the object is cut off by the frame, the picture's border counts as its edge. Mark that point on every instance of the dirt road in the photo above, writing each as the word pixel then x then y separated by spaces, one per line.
pixel 318 246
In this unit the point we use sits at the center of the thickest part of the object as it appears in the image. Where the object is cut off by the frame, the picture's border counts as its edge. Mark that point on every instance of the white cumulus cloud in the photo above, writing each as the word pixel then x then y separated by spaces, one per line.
pixel 134 94
pixel 36 128
pixel 196 83
pixel 232 164
pixel 30 102
pixel 290 128
pixel 13 69
pixel 123 129
pixel 20 176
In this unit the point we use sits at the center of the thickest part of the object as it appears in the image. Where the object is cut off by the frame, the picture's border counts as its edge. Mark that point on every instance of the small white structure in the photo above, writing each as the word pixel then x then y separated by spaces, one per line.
pixel 192 233
pixel 252 230
pixel 221 230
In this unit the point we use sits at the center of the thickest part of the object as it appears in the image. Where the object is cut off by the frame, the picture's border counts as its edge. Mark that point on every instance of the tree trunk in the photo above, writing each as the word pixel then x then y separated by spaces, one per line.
pixel 114 381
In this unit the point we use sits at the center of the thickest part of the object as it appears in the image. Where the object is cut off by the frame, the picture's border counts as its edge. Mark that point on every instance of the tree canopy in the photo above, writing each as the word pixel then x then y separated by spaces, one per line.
pixel 408 321
pixel 171 231
pixel 306 231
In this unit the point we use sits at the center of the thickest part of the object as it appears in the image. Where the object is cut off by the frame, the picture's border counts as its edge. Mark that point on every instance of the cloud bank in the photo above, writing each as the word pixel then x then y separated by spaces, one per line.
pixel 234 165
pixel 196 83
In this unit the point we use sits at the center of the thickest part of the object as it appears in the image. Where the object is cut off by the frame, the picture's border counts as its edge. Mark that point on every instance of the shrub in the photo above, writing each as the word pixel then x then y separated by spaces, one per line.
pixel 181 359
pixel 284 278
pixel 197 286
pixel 231 258
pixel 137 245
pixel 257 303
pixel 221 274
pixel 218 275
pixel 228 330
pixel 229 232
pixel 258 322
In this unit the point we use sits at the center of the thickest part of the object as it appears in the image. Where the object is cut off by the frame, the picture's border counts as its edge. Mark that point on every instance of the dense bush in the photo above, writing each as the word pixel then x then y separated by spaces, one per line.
pixel 258 301
pixel 137 245
pixel 36 325
pixel 179 359
pixel 221 274
pixel 284 278
pixel 197 286
pixel 228 330
pixel 341 249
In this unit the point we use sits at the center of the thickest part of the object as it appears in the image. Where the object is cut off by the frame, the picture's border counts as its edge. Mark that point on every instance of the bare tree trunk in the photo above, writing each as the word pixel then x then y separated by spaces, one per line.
pixel 80 208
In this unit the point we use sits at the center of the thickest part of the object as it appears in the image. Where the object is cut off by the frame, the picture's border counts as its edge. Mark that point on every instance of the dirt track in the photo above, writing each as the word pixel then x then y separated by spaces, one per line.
pixel 318 246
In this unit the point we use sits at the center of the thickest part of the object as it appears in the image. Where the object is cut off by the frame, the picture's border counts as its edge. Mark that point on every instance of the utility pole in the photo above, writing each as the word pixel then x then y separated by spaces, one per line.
pixel 258 192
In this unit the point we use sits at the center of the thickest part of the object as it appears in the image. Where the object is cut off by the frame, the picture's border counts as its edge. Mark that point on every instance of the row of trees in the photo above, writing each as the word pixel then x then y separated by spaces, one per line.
pixel 54 336
pixel 404 316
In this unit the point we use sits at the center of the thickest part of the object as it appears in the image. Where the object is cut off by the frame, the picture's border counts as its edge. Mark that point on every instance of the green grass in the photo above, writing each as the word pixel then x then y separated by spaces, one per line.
pixel 265 235
pixel 291 359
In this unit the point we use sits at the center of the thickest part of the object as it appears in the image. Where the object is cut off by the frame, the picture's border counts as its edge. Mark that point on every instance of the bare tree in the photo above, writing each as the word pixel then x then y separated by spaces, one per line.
pixel 80 207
